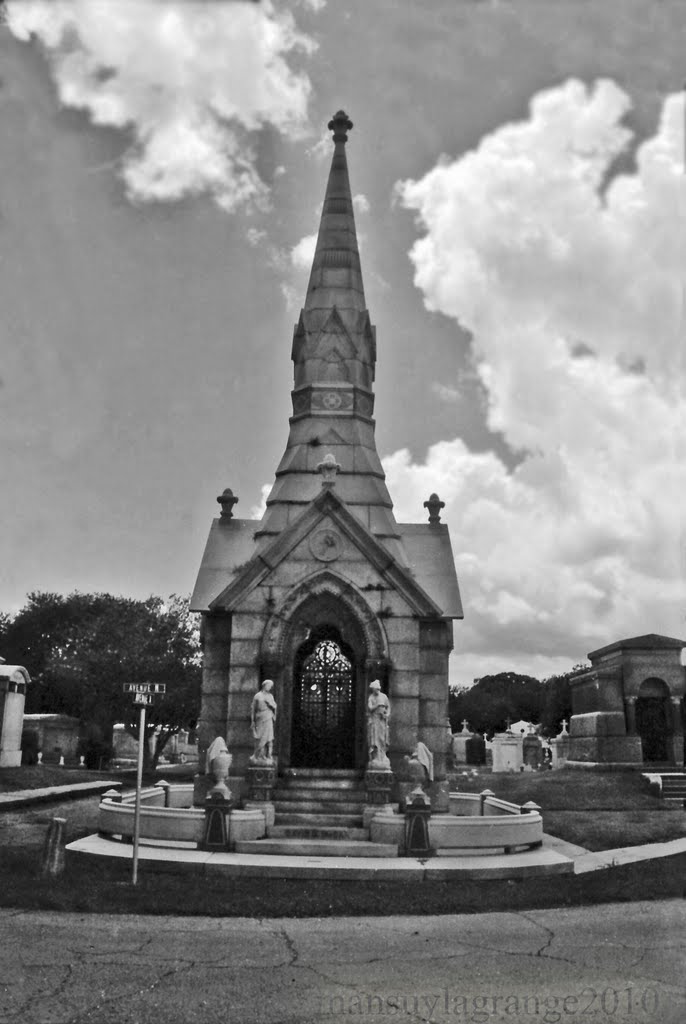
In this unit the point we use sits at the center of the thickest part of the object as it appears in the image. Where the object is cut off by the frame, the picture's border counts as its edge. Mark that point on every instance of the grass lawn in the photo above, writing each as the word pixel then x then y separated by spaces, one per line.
pixel 95 888
pixel 597 810
pixel 40 776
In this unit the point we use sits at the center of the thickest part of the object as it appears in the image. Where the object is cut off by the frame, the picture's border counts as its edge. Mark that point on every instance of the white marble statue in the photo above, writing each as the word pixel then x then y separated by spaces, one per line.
pixel 378 715
pixel 262 720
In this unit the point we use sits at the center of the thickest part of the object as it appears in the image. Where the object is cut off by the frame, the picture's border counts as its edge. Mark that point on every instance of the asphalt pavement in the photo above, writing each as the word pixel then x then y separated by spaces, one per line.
pixel 612 964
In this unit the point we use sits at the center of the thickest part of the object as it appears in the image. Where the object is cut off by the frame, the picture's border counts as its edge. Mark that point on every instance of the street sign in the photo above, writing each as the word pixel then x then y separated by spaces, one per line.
pixel 145 687
pixel 142 698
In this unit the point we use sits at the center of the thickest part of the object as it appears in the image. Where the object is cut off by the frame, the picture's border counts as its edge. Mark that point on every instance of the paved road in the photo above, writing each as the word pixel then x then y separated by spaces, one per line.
pixel 616 964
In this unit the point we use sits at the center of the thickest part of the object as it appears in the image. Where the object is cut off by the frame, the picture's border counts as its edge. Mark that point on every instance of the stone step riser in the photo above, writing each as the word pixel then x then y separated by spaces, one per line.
pixel 316 848
pixel 317 807
pixel 302 793
pixel 317 832
pixel 345 785
pixel 315 820
pixel 322 773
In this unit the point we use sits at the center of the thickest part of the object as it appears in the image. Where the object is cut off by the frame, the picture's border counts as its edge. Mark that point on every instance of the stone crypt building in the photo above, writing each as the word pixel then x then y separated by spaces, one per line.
pixel 328 592
pixel 628 707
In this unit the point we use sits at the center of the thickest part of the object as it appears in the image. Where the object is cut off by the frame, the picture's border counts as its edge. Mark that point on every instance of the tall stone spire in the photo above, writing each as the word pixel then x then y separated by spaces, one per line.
pixel 334 357
pixel 336 277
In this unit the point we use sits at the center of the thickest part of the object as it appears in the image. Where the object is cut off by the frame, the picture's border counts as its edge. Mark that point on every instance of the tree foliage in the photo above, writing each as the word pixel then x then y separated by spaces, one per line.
pixel 557 702
pixel 494 699
pixel 79 651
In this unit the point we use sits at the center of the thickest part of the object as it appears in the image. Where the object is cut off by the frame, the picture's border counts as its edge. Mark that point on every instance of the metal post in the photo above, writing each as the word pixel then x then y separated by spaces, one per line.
pixel 139 783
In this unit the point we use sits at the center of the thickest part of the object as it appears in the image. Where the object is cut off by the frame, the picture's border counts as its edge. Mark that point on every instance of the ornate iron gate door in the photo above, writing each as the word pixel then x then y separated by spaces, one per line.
pixel 323 734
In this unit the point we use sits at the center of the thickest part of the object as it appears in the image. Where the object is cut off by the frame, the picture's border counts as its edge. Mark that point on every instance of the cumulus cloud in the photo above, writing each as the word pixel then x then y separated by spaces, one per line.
pixel 302 253
pixel 361 203
pixel 192 81
pixel 570 279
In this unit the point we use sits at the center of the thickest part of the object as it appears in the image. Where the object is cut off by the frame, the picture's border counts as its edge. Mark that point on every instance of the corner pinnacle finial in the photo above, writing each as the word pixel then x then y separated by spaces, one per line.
pixel 340 124
pixel 434 506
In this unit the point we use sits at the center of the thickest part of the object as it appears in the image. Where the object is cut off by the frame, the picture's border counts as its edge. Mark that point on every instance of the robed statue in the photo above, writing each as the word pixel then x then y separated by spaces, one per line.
pixel 262 719
pixel 378 715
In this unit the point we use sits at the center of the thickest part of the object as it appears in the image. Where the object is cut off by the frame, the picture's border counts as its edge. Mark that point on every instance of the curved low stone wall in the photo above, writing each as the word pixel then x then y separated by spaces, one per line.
pixel 502 826
pixel 172 823
pixel 168 823
pixel 475 822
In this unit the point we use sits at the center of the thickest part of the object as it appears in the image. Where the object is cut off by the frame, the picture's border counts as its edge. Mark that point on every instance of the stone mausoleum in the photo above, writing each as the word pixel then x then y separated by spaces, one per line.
pixel 327 592
pixel 628 708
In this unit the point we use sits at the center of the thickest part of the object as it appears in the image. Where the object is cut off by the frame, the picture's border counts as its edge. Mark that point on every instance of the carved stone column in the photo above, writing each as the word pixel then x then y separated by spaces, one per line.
pixel 677 725
pixel 630 715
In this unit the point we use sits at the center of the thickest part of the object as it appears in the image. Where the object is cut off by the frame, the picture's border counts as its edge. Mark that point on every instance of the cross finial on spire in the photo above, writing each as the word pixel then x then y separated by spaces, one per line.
pixel 340 124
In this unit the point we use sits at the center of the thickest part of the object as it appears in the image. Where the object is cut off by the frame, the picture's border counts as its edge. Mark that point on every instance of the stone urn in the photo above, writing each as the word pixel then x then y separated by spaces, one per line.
pixel 219 769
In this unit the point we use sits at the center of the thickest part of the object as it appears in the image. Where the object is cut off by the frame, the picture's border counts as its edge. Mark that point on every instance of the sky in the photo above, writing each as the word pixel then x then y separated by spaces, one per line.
pixel 520 196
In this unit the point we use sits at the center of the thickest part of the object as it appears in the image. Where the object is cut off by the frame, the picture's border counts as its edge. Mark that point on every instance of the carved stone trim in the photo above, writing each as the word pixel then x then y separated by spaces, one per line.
pixel 277 636
pixel 378 785
pixel 261 782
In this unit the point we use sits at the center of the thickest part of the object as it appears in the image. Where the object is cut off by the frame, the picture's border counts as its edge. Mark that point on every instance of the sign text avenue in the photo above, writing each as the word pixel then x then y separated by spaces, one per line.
pixel 145 687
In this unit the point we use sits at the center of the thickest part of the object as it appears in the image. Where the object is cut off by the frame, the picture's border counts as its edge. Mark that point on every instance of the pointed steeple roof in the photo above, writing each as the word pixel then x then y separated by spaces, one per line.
pixel 336 277
pixel 334 356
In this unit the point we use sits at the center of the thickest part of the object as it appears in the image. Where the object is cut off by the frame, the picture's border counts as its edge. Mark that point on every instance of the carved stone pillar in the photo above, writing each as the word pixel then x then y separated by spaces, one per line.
pixel 630 715
pixel 677 725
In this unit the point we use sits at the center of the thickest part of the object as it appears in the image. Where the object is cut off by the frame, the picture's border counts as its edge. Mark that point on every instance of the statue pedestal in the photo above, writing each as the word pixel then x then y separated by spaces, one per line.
pixel 261 781
pixel 266 809
pixel 417 816
pixel 216 834
pixel 378 783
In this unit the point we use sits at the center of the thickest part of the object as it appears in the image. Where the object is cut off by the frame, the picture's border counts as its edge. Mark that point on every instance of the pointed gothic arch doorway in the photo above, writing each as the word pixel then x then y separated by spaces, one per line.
pixel 325 674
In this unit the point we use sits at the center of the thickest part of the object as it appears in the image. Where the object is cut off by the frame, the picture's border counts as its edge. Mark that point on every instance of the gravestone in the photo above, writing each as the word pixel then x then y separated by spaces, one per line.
pixel 460 740
pixel 13 682
pixel 507 752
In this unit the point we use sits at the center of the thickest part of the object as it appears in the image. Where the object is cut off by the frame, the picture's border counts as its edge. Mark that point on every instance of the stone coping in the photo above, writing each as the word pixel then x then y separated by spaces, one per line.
pixel 543 861
pixel 554 857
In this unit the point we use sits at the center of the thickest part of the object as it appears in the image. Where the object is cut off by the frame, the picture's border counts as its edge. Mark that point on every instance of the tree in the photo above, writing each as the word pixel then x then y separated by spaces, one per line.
pixel 493 699
pixel 557 700
pixel 80 650
pixel 42 627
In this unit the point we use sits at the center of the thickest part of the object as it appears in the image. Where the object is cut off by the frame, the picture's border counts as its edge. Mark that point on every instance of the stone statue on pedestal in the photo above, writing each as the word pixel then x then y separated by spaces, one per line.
pixel 378 715
pixel 262 720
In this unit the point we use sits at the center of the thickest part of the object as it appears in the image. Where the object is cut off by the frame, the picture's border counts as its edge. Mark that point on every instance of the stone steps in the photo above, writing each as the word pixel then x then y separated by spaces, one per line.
pixel 674 790
pixel 317 848
pixel 319 820
pixel 303 806
pixel 318 814
pixel 326 793
pixel 311 831
pixel 673 786
pixel 296 782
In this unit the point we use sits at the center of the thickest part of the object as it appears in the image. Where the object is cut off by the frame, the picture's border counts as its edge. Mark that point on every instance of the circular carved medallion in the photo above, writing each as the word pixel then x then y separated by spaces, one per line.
pixel 331 400
pixel 325 545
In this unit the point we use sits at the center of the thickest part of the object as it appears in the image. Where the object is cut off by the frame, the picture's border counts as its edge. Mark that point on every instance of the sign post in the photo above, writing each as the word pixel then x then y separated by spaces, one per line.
pixel 142 697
